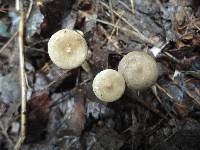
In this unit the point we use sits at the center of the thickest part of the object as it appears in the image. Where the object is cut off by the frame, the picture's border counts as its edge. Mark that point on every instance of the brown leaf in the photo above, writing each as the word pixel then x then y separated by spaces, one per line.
pixel 187 37
pixel 181 108
pixel 37 116
pixel 196 40
pixel 180 44
pixel 77 120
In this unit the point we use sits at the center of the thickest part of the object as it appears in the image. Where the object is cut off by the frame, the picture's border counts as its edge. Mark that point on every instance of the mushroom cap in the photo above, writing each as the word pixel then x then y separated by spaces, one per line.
pixel 67 49
pixel 139 70
pixel 108 85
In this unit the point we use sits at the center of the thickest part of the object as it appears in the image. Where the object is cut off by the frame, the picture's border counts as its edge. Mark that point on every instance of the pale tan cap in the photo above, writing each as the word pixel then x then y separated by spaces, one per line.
pixel 108 85
pixel 67 49
pixel 139 70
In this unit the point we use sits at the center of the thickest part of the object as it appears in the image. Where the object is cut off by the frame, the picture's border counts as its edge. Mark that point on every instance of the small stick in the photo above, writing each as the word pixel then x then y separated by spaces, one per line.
pixel 132 6
pixel 22 81
pixel 117 22
pixel 194 99
pixel 17 5
pixel 148 106
pixel 107 37
pixel 163 90
pixel 59 79
pixel 125 5
pixel 111 10
pixel 8 42
pixel 122 18
pixel 137 32
pixel 4 132
pixel 172 57
pixel 29 9
pixel 138 37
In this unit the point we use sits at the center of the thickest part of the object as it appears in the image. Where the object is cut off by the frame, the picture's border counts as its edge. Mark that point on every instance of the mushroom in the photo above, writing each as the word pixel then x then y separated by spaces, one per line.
pixel 139 70
pixel 108 85
pixel 67 49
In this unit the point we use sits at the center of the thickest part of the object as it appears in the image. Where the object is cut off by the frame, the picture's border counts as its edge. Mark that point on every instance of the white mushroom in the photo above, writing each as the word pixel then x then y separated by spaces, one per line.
pixel 108 85
pixel 139 70
pixel 67 49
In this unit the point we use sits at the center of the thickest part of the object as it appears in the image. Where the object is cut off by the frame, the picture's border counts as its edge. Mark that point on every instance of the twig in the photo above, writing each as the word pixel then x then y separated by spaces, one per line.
pixel 125 5
pixel 132 6
pixel 154 89
pixel 22 81
pixel 111 10
pixel 194 99
pixel 137 36
pixel 108 37
pixel 59 79
pixel 4 132
pixel 28 48
pixel 8 42
pixel 59 100
pixel 122 18
pixel 29 9
pixel 39 42
pixel 163 90
pixel 46 67
pixel 154 110
pixel 117 22
pixel 172 57
pixel 155 128
pixel 147 105
pixel 17 5
pixel 137 32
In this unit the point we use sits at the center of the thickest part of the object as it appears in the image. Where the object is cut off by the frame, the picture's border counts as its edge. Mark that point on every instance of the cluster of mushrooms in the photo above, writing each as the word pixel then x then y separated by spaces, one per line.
pixel 137 70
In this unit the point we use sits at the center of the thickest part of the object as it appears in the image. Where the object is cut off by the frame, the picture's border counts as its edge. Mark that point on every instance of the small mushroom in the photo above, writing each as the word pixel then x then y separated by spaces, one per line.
pixel 139 70
pixel 67 49
pixel 108 85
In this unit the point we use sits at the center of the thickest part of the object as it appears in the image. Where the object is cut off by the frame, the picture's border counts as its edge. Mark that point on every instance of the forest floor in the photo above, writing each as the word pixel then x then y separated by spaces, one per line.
pixel 63 112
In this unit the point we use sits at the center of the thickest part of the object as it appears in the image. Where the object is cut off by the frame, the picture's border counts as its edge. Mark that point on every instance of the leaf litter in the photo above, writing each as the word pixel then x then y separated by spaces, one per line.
pixel 63 112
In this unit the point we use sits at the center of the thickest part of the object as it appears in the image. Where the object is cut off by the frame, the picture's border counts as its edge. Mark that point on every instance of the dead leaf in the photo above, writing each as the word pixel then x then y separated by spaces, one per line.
pixel 77 117
pixel 37 116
